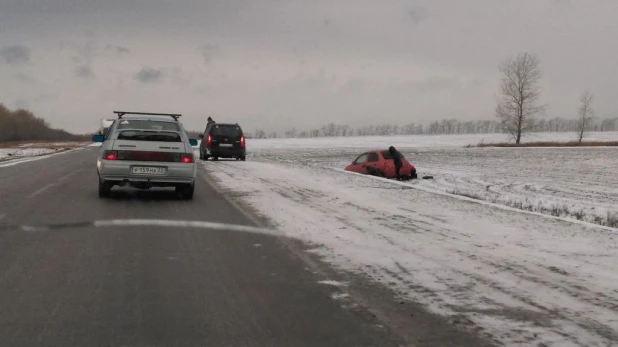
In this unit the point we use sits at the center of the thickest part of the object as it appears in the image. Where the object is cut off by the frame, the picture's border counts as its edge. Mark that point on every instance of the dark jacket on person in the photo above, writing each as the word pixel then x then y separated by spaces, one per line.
pixel 396 156
pixel 209 122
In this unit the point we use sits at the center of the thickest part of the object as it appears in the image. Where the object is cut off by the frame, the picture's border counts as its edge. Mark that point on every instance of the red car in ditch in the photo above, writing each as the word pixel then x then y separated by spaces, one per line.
pixel 380 163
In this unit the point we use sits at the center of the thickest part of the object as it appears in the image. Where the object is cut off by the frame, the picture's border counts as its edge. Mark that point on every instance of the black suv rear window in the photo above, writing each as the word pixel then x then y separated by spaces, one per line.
pixel 160 136
pixel 226 130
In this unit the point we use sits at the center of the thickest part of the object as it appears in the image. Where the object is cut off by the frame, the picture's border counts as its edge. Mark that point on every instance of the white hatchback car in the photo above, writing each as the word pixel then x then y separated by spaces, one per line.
pixel 146 150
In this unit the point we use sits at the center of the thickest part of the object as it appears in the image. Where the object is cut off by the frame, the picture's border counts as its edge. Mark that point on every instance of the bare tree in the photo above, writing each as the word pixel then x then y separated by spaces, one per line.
pixel 518 103
pixel 585 115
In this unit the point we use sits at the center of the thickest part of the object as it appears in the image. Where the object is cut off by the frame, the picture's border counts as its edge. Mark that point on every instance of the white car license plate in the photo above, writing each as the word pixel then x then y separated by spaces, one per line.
pixel 148 170
pixel 225 145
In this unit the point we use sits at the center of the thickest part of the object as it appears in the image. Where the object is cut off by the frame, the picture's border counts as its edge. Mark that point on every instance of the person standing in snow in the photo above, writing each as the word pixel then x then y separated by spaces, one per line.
pixel 209 122
pixel 396 160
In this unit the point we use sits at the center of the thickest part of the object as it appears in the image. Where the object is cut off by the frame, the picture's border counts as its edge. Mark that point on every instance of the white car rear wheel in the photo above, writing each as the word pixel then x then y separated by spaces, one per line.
pixel 186 191
pixel 104 189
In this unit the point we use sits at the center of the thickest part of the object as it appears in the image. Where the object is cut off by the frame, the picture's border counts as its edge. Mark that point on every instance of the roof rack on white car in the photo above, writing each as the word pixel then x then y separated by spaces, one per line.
pixel 122 113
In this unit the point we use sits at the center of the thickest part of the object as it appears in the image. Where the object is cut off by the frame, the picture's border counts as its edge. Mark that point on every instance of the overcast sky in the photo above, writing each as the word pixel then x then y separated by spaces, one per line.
pixel 275 64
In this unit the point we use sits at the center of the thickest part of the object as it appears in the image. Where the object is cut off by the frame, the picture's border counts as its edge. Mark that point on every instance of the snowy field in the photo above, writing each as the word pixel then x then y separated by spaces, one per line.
pixel 578 183
pixel 418 141
pixel 523 277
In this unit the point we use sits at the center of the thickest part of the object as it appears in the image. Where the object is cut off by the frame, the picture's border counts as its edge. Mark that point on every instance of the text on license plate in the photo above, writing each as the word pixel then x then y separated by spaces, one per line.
pixel 225 145
pixel 148 170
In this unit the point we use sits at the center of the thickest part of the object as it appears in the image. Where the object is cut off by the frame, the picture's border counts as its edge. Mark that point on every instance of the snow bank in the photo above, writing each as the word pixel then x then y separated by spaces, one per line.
pixel 24 152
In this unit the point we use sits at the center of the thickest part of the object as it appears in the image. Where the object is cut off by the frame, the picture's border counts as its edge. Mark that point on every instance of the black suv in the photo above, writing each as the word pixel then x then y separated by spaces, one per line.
pixel 222 140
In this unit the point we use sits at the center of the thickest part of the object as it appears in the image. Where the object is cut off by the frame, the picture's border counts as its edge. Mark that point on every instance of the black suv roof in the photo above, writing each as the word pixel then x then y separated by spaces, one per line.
pixel 226 124
pixel 211 126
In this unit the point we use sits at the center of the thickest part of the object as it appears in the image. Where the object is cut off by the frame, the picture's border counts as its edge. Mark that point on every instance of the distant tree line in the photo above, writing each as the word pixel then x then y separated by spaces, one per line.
pixel 23 125
pixel 446 126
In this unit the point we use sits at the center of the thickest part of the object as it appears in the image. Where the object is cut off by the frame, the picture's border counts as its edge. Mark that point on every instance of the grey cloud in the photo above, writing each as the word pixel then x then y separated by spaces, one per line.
pixel 149 75
pixel 46 96
pixel 32 101
pixel 417 14
pixel 84 71
pixel 87 52
pixel 562 2
pixel 15 55
pixel 83 56
pixel 209 52
pixel 22 77
pixel 21 103
pixel 118 49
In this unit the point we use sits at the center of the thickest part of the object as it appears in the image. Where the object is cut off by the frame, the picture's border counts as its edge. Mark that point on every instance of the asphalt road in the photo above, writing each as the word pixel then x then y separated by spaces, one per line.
pixel 83 285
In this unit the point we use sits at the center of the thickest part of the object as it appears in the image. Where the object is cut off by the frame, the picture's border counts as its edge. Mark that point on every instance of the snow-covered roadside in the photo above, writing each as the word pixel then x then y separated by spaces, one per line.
pixel 71 144
pixel 23 152
pixel 26 153
pixel 524 279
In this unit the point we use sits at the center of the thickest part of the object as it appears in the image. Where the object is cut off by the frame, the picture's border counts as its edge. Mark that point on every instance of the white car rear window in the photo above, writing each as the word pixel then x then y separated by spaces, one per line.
pixel 140 124
pixel 149 135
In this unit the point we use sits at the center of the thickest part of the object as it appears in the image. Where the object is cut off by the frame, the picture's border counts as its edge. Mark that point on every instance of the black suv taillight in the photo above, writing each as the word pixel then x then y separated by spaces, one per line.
pixel 242 141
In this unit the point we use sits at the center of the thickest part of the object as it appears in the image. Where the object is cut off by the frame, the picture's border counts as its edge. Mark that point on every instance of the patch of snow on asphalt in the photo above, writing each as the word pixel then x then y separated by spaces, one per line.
pixel 525 279
pixel 339 296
